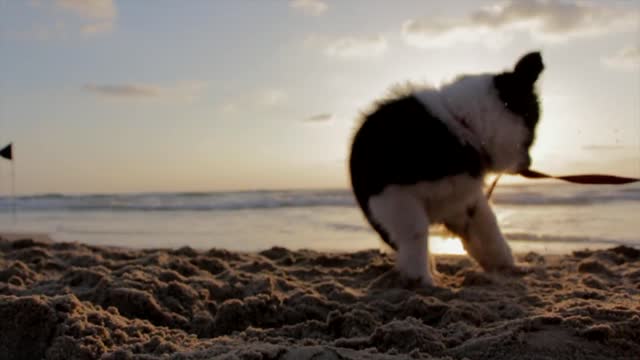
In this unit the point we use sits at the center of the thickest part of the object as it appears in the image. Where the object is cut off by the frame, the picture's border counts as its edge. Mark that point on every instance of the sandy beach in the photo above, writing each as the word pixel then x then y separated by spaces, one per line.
pixel 73 301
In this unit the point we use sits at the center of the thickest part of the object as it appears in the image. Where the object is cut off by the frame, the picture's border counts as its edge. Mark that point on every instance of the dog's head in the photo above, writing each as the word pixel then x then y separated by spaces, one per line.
pixel 516 90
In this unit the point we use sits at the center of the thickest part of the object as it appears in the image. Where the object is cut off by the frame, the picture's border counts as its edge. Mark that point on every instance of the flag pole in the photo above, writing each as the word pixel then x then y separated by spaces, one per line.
pixel 7 153
pixel 13 192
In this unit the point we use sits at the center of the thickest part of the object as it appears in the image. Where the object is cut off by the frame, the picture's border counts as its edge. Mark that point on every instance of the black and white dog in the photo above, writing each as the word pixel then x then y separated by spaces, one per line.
pixel 420 158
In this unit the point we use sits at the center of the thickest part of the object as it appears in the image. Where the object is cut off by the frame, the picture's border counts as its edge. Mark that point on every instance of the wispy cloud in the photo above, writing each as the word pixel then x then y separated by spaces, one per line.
pixel 319 118
pixel 62 19
pixel 188 91
pixel 98 15
pixel 91 9
pixel 124 90
pixel 349 47
pixel 310 7
pixel 627 58
pixel 543 20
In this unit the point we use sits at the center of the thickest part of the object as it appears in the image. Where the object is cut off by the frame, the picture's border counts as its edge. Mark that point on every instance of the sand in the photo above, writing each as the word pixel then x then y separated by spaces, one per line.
pixel 75 301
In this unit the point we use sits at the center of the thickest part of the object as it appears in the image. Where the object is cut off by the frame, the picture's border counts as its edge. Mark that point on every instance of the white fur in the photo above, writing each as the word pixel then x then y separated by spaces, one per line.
pixel 482 237
pixel 402 215
pixel 493 128
pixel 406 211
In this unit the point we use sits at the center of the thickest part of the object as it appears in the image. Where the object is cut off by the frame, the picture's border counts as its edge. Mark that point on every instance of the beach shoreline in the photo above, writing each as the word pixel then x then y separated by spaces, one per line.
pixel 62 300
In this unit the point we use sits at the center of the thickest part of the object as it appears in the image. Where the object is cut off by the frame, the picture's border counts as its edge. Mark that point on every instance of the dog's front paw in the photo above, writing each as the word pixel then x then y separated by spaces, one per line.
pixel 515 270
pixel 498 265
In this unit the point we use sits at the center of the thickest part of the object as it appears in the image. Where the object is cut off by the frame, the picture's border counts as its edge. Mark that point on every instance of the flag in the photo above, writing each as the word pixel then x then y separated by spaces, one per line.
pixel 7 152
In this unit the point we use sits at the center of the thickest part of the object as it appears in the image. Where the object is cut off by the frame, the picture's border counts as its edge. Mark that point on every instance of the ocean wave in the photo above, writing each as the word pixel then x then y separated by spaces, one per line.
pixel 180 202
pixel 229 201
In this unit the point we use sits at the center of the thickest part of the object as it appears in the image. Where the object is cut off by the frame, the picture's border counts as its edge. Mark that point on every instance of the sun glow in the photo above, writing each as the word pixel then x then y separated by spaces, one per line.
pixel 446 245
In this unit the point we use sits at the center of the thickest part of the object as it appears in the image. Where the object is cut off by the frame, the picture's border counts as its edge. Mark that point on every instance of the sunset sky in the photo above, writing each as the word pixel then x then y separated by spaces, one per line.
pixel 129 96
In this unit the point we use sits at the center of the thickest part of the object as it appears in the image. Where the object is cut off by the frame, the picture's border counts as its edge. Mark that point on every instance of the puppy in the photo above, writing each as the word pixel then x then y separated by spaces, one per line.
pixel 420 158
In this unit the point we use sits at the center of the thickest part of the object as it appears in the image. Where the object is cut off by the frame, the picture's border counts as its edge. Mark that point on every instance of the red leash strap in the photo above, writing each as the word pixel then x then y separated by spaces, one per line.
pixel 578 179
pixel 581 179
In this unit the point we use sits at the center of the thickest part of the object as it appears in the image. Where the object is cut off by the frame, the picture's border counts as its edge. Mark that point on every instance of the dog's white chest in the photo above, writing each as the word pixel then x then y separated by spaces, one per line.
pixel 448 197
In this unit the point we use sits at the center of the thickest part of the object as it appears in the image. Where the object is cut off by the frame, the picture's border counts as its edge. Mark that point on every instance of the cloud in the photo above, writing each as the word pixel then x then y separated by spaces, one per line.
pixel 97 16
pixel 262 99
pixel 627 58
pixel 319 118
pixel 63 19
pixel 125 90
pixel 187 91
pixel 349 47
pixel 544 20
pixel 90 9
pixel 310 7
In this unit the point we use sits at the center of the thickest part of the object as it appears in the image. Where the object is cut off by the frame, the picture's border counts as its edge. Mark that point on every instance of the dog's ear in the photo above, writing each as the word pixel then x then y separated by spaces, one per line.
pixel 529 68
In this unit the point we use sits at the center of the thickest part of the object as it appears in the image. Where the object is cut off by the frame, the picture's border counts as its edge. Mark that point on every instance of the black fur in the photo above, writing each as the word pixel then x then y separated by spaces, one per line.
pixel 517 92
pixel 402 143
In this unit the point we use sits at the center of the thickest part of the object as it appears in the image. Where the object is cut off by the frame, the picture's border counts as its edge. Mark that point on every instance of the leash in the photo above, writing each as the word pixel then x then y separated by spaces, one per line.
pixel 576 179
pixel 582 179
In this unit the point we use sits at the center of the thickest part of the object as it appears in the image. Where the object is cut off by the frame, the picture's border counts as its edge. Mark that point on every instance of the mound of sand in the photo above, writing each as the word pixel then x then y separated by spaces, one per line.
pixel 73 301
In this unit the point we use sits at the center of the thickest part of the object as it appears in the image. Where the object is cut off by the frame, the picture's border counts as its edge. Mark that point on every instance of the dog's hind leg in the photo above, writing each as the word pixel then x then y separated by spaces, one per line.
pixel 403 217
pixel 481 236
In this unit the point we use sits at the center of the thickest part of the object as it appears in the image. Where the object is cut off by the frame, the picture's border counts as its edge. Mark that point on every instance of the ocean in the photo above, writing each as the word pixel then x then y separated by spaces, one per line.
pixel 544 217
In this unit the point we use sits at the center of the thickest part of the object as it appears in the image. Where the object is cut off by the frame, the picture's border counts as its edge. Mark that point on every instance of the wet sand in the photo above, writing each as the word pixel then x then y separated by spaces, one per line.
pixel 75 301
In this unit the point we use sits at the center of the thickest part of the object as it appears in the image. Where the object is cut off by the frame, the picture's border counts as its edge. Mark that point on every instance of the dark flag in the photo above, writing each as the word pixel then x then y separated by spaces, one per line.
pixel 7 152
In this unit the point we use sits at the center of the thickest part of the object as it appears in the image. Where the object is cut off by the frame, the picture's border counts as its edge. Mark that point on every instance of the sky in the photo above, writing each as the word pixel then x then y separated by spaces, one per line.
pixel 110 96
